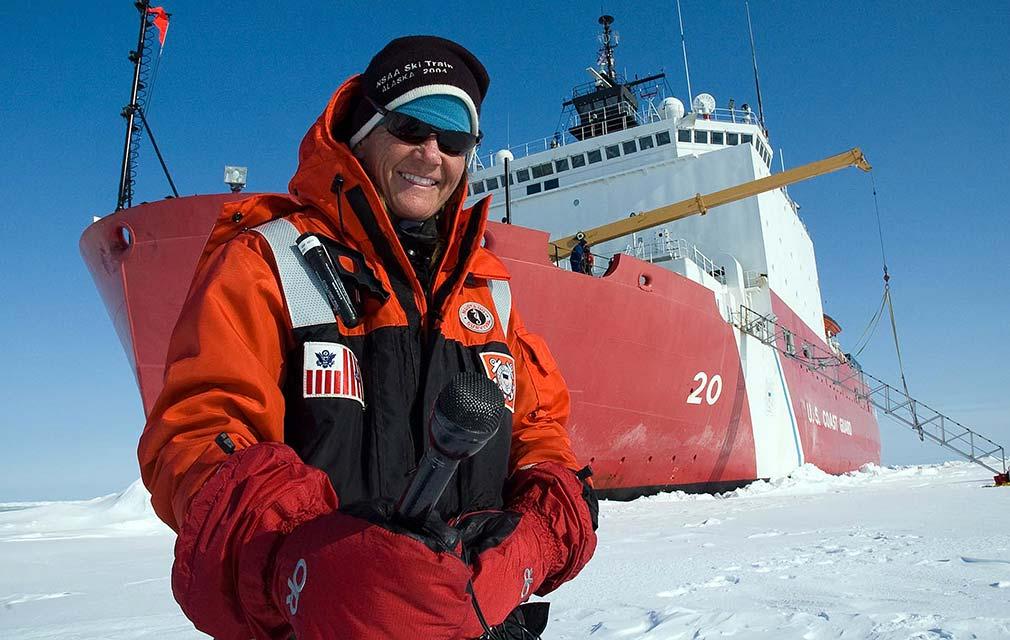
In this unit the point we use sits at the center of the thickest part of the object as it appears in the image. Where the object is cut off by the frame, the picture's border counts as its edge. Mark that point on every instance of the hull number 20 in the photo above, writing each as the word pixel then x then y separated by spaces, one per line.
pixel 710 387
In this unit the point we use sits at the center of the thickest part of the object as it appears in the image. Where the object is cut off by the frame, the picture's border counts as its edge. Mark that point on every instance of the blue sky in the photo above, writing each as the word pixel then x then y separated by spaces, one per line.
pixel 921 87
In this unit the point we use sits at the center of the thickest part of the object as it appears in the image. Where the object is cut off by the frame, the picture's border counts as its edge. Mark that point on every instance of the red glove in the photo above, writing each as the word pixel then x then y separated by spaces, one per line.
pixel 340 576
pixel 542 541
pixel 262 512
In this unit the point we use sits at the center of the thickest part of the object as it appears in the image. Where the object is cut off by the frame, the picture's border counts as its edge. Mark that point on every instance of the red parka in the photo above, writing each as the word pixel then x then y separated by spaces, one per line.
pixel 235 350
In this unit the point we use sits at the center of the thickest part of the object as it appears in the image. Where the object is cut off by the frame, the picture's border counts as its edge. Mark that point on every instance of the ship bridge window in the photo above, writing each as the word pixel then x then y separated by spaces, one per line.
pixel 701 136
pixel 533 188
pixel 645 143
pixel 663 137
pixel 733 138
pixel 683 135
pixel 595 156
pixel 717 137
pixel 477 187
pixel 746 138
pixel 550 184
pixel 541 170
pixel 492 183
pixel 523 175
pixel 561 165
pixel 578 161
pixel 629 147
pixel 613 151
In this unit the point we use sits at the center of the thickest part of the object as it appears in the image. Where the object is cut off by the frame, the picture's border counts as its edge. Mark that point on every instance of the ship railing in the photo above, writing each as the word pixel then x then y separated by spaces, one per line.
pixel 756 324
pixel 847 375
pixel 602 115
pixel 820 358
pixel 525 149
pixel 599 268
pixel 734 115
pixel 752 279
pixel 647 114
pixel 664 248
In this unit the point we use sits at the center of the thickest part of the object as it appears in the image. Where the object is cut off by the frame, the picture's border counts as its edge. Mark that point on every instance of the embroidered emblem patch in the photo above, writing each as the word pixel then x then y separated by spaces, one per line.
pixel 501 369
pixel 331 371
pixel 476 317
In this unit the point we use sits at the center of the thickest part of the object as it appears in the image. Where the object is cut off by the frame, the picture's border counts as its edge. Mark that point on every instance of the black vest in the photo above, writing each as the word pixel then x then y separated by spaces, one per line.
pixel 357 407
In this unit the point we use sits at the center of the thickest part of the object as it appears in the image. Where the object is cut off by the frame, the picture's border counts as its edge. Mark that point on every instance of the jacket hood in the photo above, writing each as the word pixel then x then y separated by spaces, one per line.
pixel 327 171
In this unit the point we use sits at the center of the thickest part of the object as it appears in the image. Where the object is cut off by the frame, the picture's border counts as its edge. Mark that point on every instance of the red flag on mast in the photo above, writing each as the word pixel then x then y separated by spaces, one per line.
pixel 160 22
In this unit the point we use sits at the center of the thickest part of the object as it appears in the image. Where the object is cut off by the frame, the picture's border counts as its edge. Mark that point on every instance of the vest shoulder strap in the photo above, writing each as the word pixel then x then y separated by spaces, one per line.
pixel 501 294
pixel 303 292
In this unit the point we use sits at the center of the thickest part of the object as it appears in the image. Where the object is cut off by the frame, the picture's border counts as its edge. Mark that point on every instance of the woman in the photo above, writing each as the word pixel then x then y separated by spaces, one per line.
pixel 285 430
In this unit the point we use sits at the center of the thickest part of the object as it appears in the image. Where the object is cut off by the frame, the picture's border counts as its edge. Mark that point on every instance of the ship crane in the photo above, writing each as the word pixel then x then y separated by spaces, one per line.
pixel 700 204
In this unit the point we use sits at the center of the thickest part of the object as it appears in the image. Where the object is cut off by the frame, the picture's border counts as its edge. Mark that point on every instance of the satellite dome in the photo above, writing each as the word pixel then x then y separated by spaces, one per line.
pixel 501 156
pixel 671 109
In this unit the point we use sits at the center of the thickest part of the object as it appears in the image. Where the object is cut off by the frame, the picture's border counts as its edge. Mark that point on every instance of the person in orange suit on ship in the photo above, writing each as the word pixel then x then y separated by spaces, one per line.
pixel 286 430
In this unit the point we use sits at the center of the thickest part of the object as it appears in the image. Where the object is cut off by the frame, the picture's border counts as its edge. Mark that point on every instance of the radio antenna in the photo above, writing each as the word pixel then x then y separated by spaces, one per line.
pixel 683 44
pixel 754 59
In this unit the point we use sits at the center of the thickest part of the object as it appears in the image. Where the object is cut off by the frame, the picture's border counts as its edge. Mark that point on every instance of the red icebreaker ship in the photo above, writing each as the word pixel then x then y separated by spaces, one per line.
pixel 697 358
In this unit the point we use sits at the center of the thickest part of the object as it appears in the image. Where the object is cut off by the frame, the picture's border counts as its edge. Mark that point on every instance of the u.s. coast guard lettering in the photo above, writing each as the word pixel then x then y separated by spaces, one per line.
pixel 409 70
pixel 826 419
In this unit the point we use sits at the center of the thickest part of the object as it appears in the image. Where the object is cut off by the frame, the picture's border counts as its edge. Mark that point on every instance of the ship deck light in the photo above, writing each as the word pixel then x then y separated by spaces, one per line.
pixel 235 177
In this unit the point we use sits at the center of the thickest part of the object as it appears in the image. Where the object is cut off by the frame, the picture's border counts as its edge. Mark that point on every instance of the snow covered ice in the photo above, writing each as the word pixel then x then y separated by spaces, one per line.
pixel 911 553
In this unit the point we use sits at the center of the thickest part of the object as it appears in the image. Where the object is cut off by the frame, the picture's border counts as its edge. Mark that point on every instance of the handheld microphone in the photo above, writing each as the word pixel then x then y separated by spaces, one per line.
pixel 318 259
pixel 467 414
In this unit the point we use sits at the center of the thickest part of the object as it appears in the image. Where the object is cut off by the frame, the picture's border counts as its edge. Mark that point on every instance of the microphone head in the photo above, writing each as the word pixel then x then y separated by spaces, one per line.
pixel 467 414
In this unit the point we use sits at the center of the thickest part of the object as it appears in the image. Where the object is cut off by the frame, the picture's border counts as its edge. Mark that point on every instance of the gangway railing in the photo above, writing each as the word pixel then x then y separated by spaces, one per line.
pixel 665 247
pixel 934 425
pixel 846 374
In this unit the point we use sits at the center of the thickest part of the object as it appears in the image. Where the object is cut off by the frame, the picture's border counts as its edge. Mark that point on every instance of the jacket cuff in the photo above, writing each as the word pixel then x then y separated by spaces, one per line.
pixel 226 545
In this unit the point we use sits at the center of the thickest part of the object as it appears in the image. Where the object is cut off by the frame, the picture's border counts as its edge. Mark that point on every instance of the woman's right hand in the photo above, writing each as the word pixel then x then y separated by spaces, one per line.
pixel 341 576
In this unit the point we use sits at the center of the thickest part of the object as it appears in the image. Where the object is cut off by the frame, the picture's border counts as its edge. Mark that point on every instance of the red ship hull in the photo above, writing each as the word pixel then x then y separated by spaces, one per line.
pixel 629 345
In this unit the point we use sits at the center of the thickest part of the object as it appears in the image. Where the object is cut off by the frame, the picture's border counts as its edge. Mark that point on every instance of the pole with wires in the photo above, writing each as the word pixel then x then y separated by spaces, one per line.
pixel 754 60
pixel 140 96
pixel 125 198
pixel 683 45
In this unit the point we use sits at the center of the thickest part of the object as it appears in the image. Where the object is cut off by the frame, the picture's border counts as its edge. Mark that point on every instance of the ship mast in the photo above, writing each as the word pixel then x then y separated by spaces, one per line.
pixel 136 108
pixel 607 104
pixel 608 40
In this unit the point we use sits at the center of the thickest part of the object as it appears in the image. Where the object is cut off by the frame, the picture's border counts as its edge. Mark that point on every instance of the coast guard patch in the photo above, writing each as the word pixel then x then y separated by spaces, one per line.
pixel 476 317
pixel 331 371
pixel 501 369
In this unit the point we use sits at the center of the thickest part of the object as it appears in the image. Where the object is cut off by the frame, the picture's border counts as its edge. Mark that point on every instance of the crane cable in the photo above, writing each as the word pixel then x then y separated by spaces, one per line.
pixel 871 329
pixel 890 306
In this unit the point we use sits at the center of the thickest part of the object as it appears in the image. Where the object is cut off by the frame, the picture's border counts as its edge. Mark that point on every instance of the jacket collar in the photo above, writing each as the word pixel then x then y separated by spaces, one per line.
pixel 328 171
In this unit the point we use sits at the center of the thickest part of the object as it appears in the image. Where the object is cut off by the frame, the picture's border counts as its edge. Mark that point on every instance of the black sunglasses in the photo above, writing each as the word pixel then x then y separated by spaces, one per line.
pixel 414 131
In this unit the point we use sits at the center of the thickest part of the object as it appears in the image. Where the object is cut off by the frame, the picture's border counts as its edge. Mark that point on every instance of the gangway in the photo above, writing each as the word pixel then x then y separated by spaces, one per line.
pixel 898 405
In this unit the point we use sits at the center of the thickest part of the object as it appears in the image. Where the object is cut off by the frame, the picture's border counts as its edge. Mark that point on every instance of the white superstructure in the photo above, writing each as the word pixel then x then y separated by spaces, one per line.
pixel 563 185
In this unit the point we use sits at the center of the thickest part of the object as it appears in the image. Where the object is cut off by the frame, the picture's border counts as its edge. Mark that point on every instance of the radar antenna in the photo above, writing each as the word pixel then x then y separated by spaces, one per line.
pixel 609 40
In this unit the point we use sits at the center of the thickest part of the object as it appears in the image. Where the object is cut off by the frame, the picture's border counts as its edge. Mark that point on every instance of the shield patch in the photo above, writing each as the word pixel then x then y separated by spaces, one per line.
pixel 501 369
